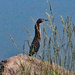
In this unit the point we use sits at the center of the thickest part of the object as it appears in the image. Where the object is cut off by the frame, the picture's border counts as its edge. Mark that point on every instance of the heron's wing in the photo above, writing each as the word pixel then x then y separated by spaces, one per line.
pixel 34 46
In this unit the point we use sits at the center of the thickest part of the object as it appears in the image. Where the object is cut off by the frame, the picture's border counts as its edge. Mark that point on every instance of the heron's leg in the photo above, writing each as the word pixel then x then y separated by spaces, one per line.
pixel 35 55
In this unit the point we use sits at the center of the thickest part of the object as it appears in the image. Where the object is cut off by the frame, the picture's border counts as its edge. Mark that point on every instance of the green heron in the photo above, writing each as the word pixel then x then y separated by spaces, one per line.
pixel 36 41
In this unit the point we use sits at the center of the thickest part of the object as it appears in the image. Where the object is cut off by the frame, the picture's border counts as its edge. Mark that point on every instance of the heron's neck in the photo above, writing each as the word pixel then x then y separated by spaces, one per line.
pixel 37 31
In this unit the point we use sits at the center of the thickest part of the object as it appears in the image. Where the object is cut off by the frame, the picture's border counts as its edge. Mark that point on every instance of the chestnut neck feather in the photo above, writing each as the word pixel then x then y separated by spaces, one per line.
pixel 37 31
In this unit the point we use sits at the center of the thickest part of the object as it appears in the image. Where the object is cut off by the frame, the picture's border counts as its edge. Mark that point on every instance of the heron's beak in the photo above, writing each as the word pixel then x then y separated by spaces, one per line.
pixel 46 20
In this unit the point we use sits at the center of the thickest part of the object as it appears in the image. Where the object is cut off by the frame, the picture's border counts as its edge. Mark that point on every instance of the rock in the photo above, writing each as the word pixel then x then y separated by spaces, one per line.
pixel 26 65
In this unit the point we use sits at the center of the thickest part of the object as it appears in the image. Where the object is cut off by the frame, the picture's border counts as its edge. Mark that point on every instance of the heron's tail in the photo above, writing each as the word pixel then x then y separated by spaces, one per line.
pixel 30 54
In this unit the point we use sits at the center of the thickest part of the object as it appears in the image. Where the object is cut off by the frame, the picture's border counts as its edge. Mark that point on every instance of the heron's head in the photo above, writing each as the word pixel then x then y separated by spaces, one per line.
pixel 41 20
